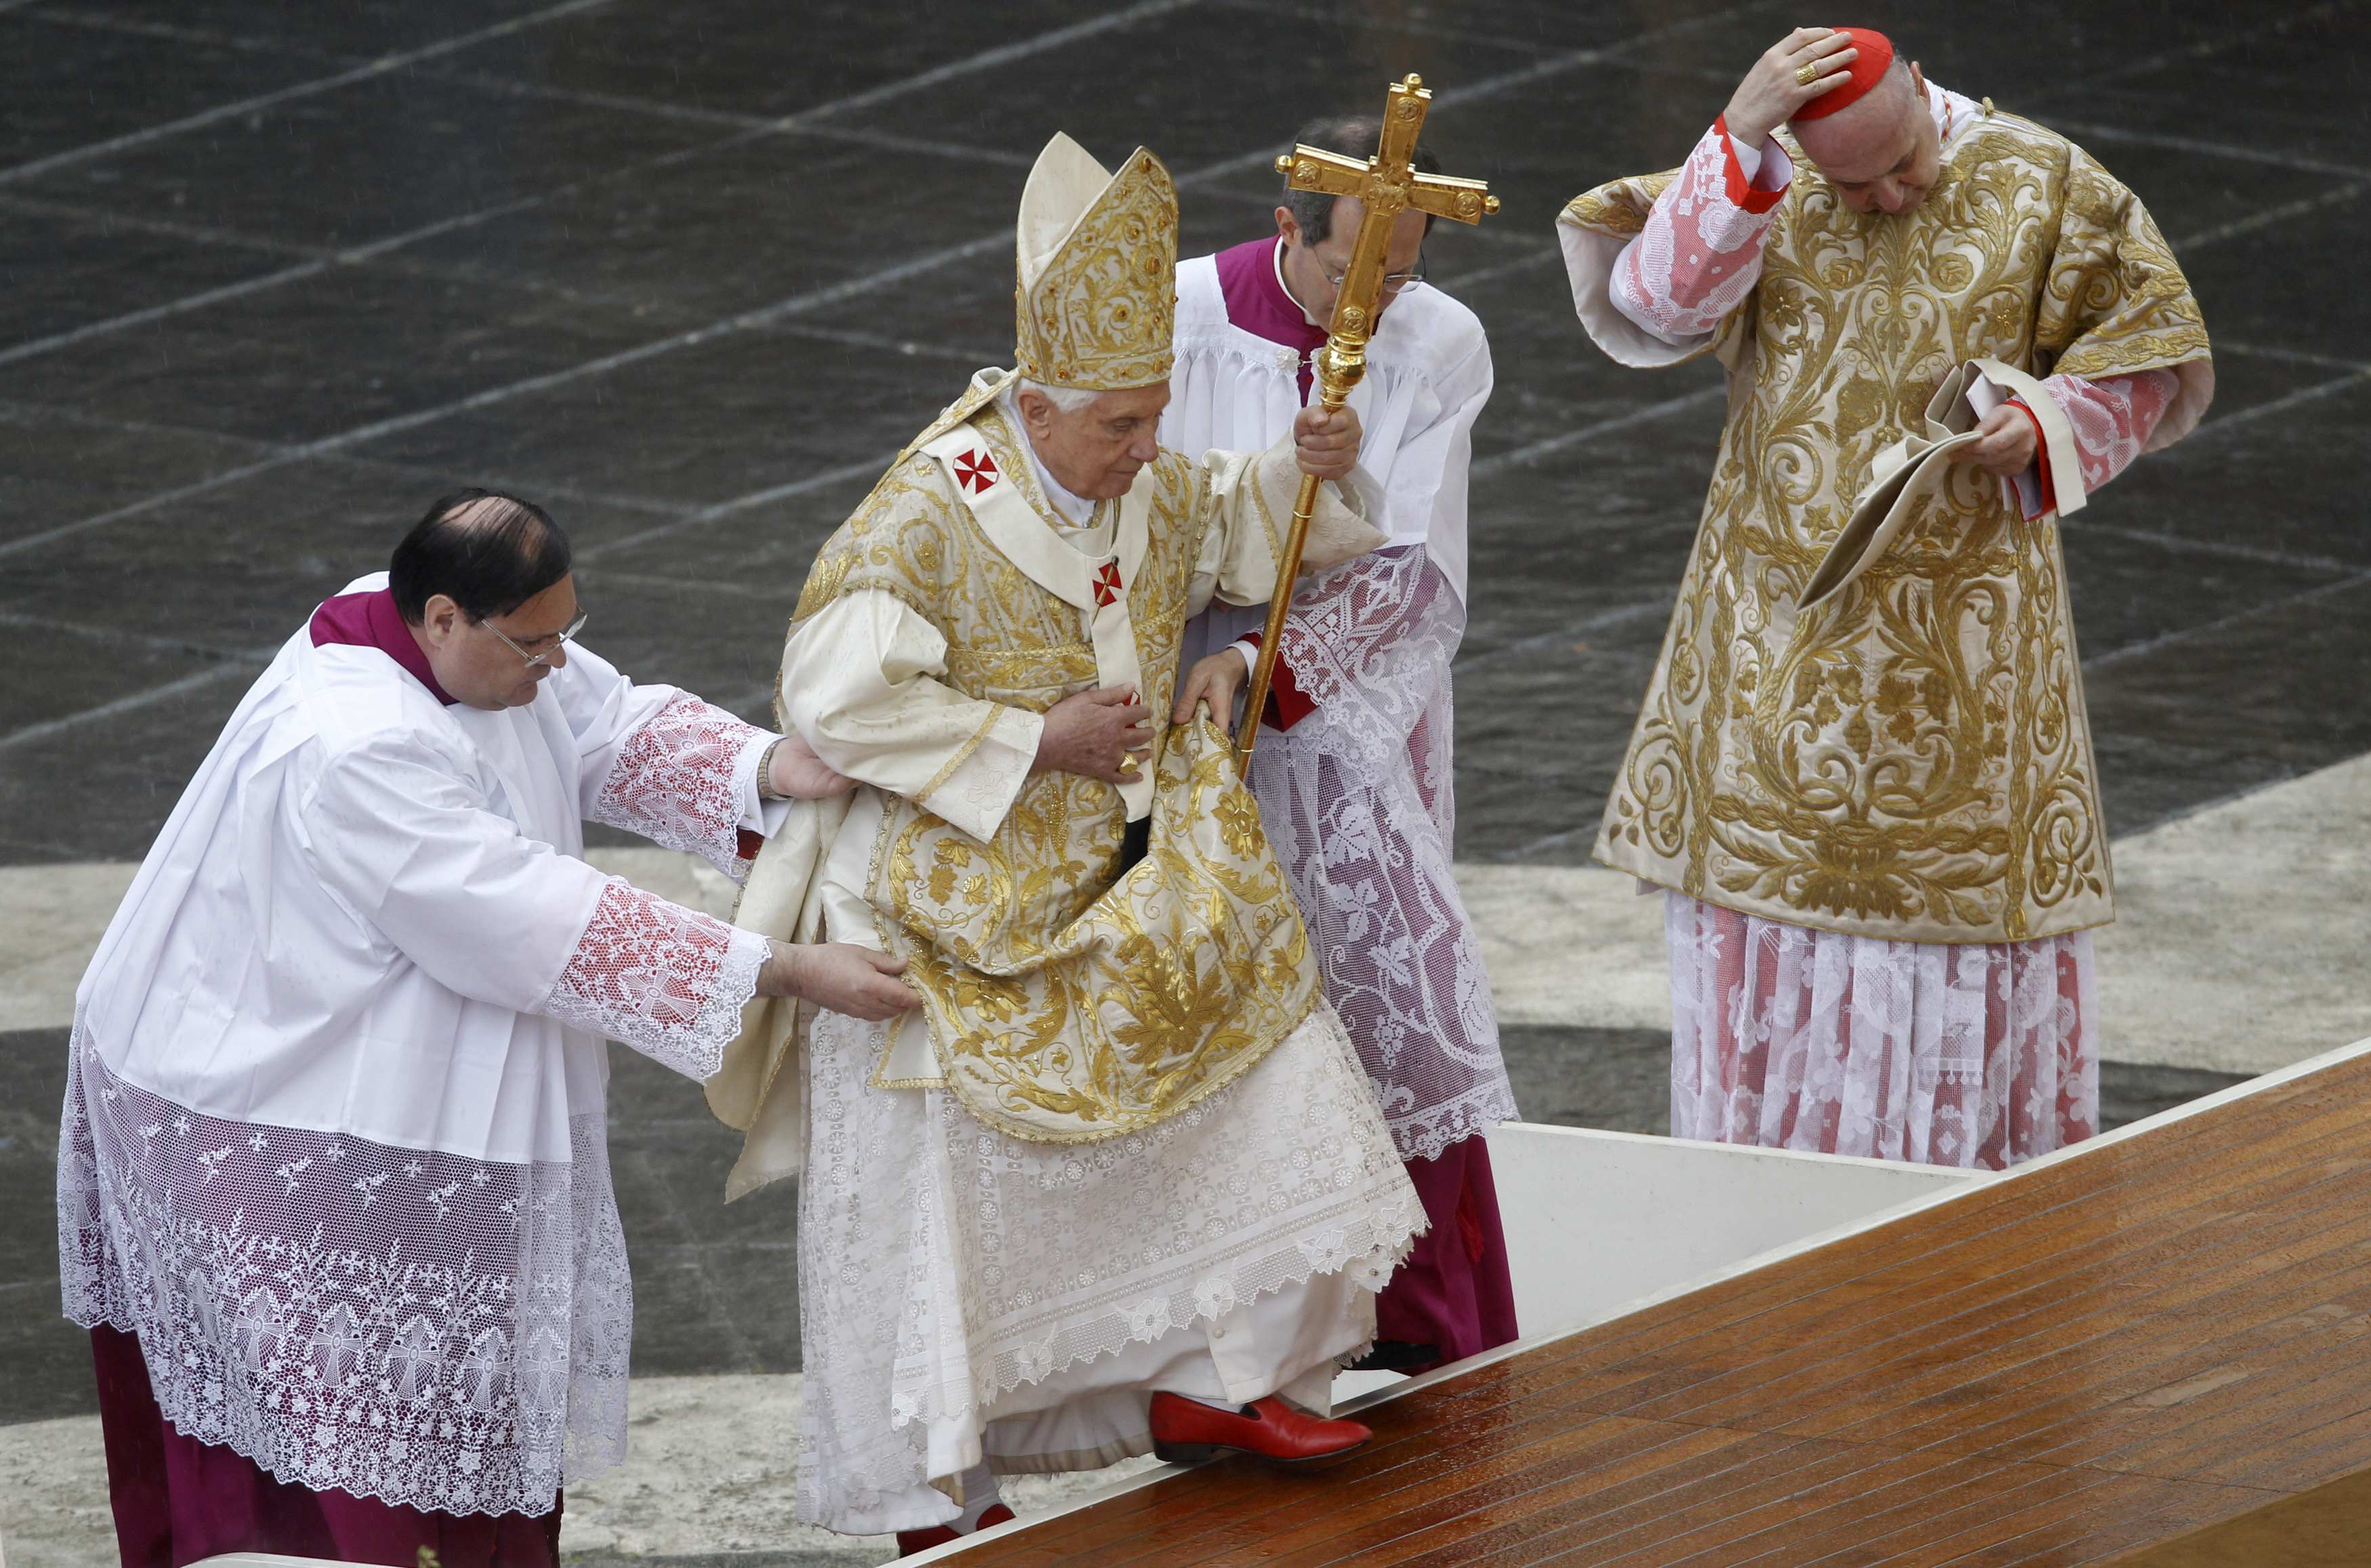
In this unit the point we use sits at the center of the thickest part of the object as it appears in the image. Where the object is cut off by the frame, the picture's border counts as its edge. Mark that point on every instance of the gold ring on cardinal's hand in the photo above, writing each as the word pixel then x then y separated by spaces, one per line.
pixel 1127 764
pixel 1806 74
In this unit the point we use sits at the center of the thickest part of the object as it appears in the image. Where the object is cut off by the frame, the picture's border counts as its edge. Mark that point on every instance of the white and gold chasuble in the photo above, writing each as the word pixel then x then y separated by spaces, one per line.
pixel 1911 758
pixel 1063 1000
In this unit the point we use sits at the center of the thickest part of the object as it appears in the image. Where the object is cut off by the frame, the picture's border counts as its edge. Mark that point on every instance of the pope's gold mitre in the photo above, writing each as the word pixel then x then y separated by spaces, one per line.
pixel 1098 266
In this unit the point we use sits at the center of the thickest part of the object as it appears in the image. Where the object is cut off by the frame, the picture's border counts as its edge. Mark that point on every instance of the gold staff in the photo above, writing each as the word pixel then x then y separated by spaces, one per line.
pixel 1387 186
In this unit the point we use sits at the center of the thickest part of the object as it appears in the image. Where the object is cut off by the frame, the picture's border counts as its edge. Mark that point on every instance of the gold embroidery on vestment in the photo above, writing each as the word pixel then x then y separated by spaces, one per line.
pixel 1910 759
pixel 1064 1001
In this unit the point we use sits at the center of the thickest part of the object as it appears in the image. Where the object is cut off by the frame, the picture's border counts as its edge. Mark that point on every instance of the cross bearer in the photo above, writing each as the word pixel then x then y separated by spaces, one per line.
pixel 1878 812
pixel 1354 774
pixel 1118 1184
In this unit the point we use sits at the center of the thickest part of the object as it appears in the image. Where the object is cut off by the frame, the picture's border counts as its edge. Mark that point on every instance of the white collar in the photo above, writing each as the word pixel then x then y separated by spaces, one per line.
pixel 1951 111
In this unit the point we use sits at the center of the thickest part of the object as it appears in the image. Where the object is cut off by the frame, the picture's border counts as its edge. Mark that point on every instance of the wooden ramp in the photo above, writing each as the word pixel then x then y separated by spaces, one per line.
pixel 2115 1353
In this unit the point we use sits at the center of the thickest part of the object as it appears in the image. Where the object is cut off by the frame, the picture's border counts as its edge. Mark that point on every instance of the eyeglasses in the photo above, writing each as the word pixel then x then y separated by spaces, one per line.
pixel 545 647
pixel 1393 282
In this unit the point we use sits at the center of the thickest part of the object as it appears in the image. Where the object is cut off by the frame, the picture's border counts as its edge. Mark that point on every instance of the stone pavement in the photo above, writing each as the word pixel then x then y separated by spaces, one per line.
pixel 690 270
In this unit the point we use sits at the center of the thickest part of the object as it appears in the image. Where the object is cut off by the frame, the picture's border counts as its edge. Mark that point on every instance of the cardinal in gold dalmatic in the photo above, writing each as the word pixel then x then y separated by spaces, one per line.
pixel 1863 768
pixel 1117 1181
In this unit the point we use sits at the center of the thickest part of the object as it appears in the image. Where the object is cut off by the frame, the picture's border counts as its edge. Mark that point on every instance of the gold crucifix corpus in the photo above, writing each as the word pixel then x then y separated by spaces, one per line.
pixel 1387 185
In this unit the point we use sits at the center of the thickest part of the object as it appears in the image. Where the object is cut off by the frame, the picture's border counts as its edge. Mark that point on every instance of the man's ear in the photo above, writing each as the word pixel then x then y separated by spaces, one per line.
pixel 440 617
pixel 1287 226
pixel 1035 407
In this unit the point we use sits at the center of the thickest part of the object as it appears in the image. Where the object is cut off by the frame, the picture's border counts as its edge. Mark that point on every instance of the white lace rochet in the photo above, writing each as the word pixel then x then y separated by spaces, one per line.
pixel 1977 1055
pixel 418 1327
pixel 1359 799
pixel 942 1265
pixel 423 1326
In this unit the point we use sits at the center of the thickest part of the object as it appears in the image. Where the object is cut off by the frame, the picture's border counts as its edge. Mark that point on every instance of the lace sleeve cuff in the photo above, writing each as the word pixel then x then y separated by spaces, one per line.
pixel 1700 252
pixel 2111 418
pixel 668 981
pixel 687 780
pixel 1756 177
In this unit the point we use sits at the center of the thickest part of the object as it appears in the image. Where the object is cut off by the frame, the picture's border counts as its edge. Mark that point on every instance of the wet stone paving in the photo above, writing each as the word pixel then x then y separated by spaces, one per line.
pixel 690 271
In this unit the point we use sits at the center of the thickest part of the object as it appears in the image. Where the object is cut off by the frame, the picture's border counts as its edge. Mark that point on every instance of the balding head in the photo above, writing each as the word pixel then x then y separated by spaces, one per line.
pixel 489 553
pixel 483 583
pixel 1881 153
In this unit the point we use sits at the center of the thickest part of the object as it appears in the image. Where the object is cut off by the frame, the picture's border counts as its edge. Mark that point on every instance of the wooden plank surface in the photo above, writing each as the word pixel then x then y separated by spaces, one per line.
pixel 2092 1359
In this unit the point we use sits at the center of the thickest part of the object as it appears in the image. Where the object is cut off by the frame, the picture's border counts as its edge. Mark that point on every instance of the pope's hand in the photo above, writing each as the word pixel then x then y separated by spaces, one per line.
pixel 840 975
pixel 1325 444
pixel 1773 89
pixel 2005 441
pixel 793 772
pixel 1104 734
pixel 1214 680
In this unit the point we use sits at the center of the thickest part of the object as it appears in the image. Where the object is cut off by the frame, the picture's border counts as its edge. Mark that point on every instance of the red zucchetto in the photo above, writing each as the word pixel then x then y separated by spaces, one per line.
pixel 1876 54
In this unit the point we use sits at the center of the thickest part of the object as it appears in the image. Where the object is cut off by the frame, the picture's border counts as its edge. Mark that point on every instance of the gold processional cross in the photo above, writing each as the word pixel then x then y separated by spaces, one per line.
pixel 1387 185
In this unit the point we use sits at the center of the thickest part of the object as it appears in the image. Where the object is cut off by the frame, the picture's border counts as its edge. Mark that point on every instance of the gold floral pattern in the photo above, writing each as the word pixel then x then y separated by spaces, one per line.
pixel 1103 313
pixel 1912 759
pixel 1066 1001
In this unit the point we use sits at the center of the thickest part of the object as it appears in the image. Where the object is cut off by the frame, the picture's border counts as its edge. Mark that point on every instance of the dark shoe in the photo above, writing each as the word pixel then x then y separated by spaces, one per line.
pixel 1186 1432
pixel 913 1542
pixel 1398 1356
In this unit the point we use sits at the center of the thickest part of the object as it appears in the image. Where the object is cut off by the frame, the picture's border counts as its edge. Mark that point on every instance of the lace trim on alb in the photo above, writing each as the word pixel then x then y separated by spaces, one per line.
pixel 423 1328
pixel 942 1265
pixel 1359 799
pixel 1975 1055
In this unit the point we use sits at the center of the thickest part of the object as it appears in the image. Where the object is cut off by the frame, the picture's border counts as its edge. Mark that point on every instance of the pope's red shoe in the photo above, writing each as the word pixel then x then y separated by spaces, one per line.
pixel 1186 1432
pixel 910 1542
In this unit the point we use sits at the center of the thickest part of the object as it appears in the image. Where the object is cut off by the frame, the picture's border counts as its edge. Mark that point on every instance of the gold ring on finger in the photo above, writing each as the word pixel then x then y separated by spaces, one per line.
pixel 1806 74
pixel 1127 764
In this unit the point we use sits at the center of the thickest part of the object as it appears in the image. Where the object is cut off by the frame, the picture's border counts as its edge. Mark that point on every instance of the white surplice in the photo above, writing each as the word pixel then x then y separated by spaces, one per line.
pixel 1357 796
pixel 965 1295
pixel 1427 376
pixel 333 1143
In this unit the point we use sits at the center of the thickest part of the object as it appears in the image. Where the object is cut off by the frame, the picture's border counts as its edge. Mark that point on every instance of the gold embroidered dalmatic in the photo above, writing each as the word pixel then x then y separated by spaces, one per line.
pixel 1912 758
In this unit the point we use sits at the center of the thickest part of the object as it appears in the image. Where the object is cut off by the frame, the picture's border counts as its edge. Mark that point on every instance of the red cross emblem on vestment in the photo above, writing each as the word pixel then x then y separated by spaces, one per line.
pixel 1107 584
pixel 976 470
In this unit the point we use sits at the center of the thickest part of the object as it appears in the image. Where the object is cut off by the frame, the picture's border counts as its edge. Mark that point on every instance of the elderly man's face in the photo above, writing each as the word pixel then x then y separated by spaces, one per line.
pixel 1096 450
pixel 1882 154
pixel 1313 271
pixel 476 667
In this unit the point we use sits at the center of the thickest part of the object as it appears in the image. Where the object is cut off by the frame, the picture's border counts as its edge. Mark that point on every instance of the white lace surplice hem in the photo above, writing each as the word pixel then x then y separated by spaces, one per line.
pixel 1359 799
pixel 1971 1055
pixel 420 1326
pixel 942 1265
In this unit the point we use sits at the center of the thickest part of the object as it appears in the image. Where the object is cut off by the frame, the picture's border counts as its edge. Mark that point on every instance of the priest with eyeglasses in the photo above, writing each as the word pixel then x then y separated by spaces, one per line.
pixel 333 1190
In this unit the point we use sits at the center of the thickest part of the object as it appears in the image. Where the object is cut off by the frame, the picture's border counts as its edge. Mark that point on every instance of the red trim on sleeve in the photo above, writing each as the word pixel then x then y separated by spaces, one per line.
pixel 1741 192
pixel 1287 705
pixel 746 843
pixel 2041 455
